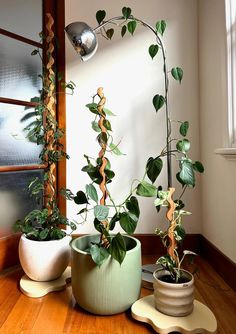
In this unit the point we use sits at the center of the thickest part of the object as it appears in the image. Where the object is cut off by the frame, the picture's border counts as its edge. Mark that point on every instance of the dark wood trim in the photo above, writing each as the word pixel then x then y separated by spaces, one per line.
pixel 20 168
pixel 61 96
pixel 20 38
pixel 18 102
pixel 9 251
pixel 220 262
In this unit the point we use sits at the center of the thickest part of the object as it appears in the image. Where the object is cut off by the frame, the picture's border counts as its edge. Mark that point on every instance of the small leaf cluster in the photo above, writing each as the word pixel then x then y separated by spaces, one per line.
pixel 47 223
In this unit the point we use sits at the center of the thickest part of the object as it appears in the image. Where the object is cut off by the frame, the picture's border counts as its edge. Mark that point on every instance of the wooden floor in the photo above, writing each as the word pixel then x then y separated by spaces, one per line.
pixel 58 312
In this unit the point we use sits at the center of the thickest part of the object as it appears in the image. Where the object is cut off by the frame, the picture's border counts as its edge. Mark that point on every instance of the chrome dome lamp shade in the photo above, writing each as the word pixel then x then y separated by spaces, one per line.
pixel 83 39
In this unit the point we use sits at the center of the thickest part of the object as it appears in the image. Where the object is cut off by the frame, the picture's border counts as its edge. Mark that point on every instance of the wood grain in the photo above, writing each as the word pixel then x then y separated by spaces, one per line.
pixel 58 312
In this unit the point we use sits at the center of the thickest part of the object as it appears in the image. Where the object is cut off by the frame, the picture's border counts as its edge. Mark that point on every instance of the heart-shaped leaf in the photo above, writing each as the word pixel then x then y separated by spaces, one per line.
pixel 154 167
pixel 198 166
pixel 161 27
pixel 177 73
pixel 186 174
pixel 123 30
pixel 184 128
pixel 80 198
pixel 183 145
pixel 158 101
pixel 127 222
pixel 99 254
pixel 126 11
pixel 146 189
pixel 153 49
pixel 100 16
pixel 132 26
pixel 101 212
pixel 110 33
pixel 133 207
pixel 92 192
pixel 118 248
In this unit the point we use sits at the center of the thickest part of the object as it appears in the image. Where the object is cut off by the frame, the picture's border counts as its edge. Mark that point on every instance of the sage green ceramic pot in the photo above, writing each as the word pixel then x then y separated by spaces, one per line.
pixel 111 288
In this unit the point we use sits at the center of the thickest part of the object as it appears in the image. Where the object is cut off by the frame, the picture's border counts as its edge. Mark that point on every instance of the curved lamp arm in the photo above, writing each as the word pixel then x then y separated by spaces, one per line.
pixel 84 40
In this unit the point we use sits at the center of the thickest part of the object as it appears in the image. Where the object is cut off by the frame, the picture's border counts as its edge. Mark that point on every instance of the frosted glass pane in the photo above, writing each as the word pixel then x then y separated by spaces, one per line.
pixel 15 148
pixel 22 17
pixel 15 201
pixel 18 70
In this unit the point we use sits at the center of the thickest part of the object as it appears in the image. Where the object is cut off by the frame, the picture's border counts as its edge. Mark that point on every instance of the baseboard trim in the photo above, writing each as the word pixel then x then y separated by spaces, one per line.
pixel 9 251
pixel 151 245
pixel 225 267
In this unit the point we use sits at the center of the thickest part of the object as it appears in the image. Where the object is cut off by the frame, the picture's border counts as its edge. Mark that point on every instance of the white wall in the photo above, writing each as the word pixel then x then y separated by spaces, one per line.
pixel 219 181
pixel 130 80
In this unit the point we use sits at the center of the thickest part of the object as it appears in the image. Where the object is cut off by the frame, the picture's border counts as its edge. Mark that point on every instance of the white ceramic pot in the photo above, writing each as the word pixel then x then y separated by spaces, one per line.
pixel 111 288
pixel 175 299
pixel 44 260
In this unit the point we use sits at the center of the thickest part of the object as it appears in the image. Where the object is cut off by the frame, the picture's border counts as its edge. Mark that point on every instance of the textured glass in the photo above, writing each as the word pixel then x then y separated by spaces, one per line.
pixel 15 147
pixel 19 70
pixel 15 201
pixel 22 17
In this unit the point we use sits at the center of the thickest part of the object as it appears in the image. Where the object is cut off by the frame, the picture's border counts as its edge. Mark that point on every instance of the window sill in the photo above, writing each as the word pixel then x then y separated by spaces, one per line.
pixel 228 153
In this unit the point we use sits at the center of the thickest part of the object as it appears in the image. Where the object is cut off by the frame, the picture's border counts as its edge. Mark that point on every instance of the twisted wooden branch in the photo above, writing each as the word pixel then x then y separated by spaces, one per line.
pixel 170 216
pixel 50 116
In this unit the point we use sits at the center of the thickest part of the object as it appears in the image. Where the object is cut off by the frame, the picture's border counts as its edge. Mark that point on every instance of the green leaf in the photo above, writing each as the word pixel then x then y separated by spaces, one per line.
pixel 133 207
pixel 43 234
pixel 102 138
pixel 107 124
pixel 118 248
pixel 113 221
pixel 110 33
pixel 184 128
pixel 161 27
pixel 127 222
pixel 131 26
pixel 92 192
pixel 146 189
pixel 177 73
pixel 126 11
pixel 101 212
pixel 198 166
pixel 183 145
pixel 80 198
pixel 95 126
pixel 187 173
pixel 158 101
pixel 114 148
pixel 99 254
pixel 100 16
pixel 98 226
pixel 153 49
pixel 108 112
pixel 154 167
pixel 93 108
pixel 123 30
pixel 179 233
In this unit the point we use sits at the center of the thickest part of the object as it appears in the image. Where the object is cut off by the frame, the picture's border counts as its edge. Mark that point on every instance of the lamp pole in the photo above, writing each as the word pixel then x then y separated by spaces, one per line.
pixel 84 40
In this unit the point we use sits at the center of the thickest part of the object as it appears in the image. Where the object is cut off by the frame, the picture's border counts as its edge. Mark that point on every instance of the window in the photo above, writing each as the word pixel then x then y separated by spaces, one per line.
pixel 21 21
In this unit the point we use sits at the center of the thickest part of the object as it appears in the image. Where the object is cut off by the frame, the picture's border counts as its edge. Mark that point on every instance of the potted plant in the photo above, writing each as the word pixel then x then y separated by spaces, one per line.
pixel 44 250
pixel 175 233
pixel 106 267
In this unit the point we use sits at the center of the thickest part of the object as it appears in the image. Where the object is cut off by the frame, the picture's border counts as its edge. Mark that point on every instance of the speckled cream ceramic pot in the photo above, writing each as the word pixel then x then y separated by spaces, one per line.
pixel 175 299
pixel 111 288
pixel 44 260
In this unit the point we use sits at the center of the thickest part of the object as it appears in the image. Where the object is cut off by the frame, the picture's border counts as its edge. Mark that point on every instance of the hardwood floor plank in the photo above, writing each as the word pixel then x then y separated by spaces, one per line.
pixel 58 313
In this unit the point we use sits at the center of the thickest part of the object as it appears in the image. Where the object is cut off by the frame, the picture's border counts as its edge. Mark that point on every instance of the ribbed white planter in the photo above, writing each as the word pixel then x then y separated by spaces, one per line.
pixel 44 260
pixel 175 299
